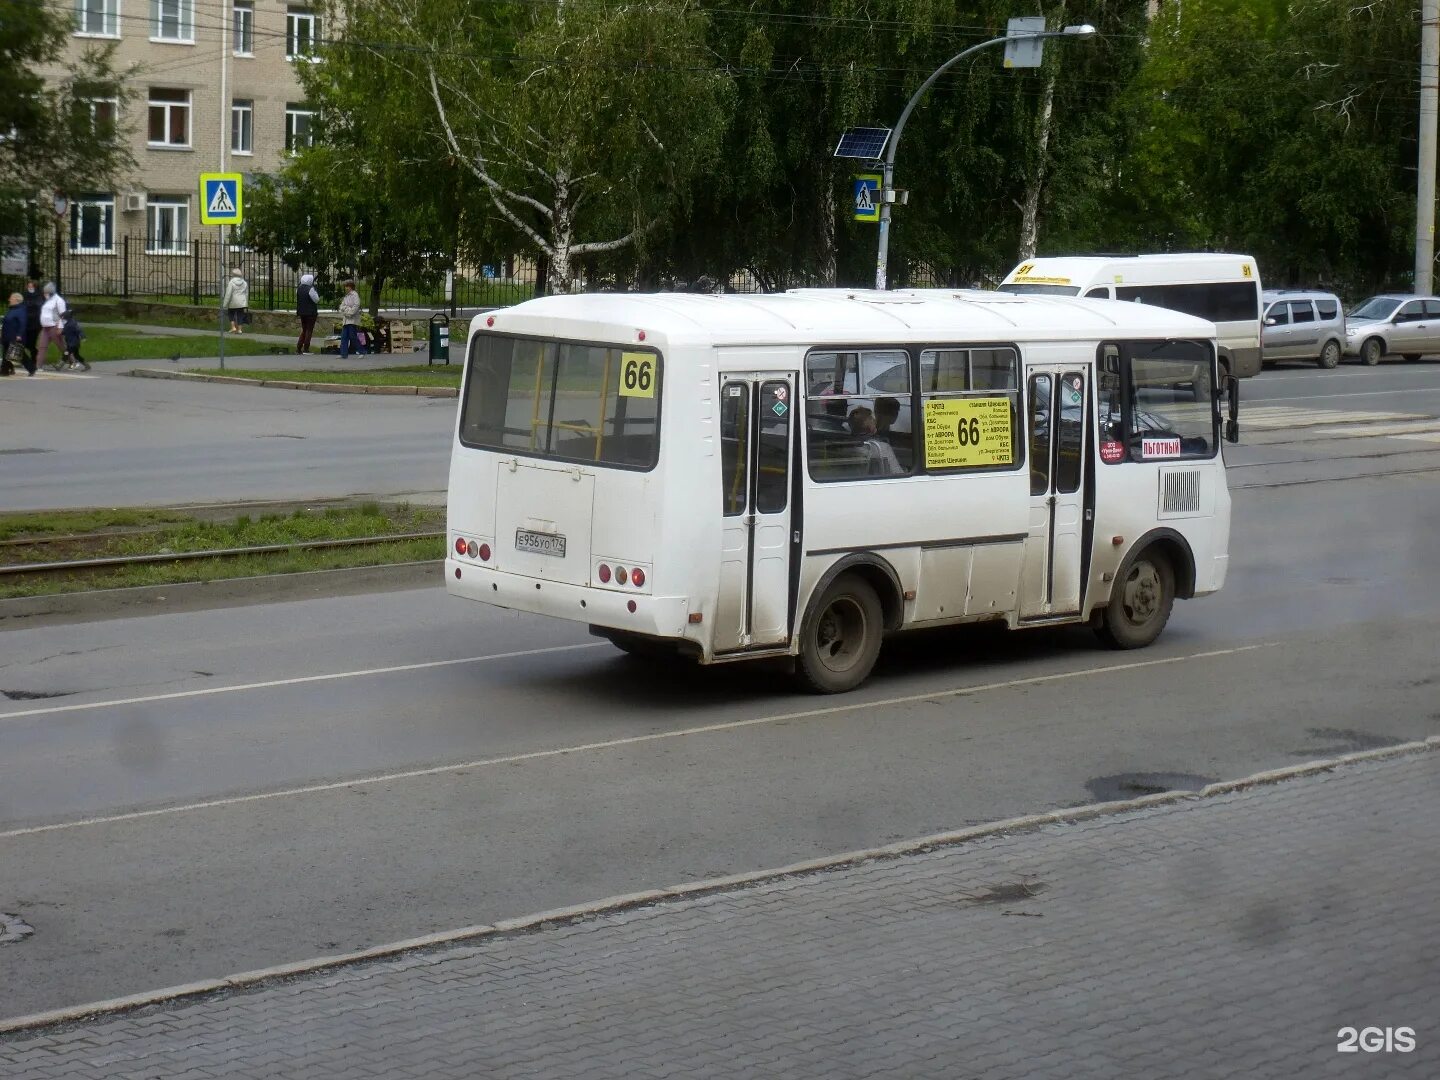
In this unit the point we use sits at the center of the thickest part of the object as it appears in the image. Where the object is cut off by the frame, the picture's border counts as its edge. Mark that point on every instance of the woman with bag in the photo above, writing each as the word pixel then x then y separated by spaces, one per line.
pixel 307 306
pixel 52 323
pixel 237 300
pixel 12 338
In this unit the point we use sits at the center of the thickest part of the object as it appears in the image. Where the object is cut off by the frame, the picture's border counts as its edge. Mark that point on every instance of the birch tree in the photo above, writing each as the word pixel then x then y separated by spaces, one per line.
pixel 583 124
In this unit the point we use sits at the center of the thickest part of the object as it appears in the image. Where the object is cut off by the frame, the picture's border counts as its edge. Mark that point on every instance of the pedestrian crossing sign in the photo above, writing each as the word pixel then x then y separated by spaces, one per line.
pixel 220 200
pixel 867 197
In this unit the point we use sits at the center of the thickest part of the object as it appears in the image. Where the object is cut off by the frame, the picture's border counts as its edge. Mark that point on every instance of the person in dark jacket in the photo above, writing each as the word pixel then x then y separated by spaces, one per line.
pixel 307 306
pixel 33 302
pixel 13 332
pixel 73 336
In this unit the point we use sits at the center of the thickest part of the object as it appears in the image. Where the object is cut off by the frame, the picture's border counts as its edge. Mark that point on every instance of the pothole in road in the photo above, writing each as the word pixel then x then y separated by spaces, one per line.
pixel 13 928
pixel 35 695
pixel 1133 785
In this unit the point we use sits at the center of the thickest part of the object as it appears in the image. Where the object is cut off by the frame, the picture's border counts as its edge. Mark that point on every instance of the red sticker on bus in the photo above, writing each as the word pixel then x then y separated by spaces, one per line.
pixel 1111 451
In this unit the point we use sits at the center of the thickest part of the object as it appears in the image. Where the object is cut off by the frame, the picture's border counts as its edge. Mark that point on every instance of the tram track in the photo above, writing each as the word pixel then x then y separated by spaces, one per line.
pixel 23 570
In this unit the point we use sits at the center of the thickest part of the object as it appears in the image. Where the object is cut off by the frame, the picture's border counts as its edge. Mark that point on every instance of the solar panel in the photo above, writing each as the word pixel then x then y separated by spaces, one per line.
pixel 863 143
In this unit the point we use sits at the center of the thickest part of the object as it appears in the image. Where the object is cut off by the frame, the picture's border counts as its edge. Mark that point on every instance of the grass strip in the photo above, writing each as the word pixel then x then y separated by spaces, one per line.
pixel 107 343
pixel 121 533
pixel 406 375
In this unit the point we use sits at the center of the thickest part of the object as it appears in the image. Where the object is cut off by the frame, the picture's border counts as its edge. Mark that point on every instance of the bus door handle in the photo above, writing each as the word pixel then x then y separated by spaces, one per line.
pixel 750 520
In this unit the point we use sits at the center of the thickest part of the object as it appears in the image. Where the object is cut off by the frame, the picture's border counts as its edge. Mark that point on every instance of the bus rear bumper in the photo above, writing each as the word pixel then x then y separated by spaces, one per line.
pixel 657 616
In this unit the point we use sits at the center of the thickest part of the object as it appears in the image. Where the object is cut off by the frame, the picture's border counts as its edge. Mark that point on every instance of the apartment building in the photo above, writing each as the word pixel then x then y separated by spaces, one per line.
pixel 213 89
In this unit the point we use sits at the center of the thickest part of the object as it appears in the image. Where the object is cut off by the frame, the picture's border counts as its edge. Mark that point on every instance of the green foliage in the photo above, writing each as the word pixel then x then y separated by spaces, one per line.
pixel 50 142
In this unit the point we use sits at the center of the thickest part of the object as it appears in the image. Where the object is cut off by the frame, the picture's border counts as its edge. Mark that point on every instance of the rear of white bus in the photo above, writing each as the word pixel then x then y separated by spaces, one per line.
pixel 556 480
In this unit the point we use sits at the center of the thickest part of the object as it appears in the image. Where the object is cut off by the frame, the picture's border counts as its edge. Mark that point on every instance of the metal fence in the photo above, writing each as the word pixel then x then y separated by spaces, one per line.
pixel 192 271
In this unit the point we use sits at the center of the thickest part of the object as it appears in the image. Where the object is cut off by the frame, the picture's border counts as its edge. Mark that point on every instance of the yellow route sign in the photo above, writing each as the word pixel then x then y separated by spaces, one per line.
pixel 968 432
pixel 637 374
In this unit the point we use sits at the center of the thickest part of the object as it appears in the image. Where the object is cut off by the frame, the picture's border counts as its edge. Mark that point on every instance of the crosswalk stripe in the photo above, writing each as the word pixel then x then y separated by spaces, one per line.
pixel 1276 417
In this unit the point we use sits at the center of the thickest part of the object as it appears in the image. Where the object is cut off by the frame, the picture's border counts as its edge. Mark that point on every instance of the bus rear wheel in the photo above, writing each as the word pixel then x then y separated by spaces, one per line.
pixel 1140 603
pixel 638 645
pixel 841 637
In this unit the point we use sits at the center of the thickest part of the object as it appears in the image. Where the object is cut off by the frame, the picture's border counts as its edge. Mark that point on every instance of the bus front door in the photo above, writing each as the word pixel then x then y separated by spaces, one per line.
pixel 756 433
pixel 1053 548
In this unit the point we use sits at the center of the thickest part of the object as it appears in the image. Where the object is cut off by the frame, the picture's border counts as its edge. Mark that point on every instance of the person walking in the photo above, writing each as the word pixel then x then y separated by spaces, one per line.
pixel 33 302
pixel 307 306
pixel 12 338
pixel 52 318
pixel 237 301
pixel 73 336
pixel 349 320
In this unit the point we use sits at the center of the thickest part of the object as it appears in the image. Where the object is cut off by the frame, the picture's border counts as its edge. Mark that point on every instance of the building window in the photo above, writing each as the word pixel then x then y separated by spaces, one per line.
pixel 97 18
pixel 172 20
pixel 101 115
pixel 302 28
pixel 168 225
pixel 242 126
pixel 297 127
pixel 169 117
pixel 243 42
pixel 92 225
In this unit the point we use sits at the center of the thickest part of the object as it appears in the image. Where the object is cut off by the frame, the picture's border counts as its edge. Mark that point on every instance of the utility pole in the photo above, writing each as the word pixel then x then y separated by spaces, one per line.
pixel 1429 111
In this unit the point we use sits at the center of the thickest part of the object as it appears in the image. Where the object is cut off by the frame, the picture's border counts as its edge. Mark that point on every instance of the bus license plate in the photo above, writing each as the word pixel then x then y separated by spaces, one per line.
pixel 540 543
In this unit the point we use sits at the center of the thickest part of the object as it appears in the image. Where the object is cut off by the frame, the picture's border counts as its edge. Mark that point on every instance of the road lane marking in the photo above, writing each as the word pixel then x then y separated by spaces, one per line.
pixel 1282 417
pixel 298 680
pixel 1359 393
pixel 631 740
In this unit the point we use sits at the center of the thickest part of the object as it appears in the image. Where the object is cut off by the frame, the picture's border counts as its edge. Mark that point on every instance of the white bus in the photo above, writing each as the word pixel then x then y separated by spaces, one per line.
pixel 1225 289
pixel 796 475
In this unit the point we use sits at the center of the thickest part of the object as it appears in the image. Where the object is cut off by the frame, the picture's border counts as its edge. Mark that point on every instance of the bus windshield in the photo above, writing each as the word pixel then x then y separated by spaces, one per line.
pixel 564 400
pixel 1042 290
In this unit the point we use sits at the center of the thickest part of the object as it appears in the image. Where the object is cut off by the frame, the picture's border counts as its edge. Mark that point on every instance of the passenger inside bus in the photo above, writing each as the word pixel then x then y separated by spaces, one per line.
pixel 879 454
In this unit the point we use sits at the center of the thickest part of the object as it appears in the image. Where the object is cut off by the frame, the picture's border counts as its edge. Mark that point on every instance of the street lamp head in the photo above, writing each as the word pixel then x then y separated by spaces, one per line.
pixel 1080 30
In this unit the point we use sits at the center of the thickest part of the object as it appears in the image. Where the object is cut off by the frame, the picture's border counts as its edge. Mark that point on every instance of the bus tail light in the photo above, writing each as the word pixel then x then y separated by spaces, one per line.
pixel 603 574
pixel 621 575
pixel 472 549
pixel 484 552
pixel 460 547
pixel 637 578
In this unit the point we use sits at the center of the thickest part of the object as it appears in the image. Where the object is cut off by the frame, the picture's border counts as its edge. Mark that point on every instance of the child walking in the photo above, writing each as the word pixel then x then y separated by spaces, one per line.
pixel 73 336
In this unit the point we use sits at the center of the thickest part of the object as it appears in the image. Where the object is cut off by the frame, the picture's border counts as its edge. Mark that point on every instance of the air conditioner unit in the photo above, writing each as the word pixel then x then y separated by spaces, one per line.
pixel 134 200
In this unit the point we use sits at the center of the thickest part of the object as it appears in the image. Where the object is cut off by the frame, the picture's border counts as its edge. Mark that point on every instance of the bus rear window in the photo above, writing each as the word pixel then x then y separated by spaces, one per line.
pixel 564 400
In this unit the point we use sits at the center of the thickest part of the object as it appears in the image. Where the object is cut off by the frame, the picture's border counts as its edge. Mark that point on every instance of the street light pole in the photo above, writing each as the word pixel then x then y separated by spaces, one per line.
pixel 888 166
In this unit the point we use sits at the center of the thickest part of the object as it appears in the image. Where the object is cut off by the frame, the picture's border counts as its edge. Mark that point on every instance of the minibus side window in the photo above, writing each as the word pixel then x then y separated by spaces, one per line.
pixel 857 414
pixel 734 447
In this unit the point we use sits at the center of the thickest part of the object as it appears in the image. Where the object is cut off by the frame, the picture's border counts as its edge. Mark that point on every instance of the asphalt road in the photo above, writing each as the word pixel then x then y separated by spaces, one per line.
pixel 196 793
pixel 80 441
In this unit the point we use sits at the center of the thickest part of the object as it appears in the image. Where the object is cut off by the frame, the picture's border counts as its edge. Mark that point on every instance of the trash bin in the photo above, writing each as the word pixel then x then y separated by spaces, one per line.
pixel 439 337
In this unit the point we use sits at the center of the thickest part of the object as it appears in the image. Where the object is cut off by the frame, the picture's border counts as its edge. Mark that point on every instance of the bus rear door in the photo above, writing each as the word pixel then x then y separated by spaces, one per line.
pixel 756 433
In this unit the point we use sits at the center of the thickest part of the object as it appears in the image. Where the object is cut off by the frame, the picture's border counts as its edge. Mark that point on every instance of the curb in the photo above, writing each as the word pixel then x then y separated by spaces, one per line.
pixel 290 384
pixel 689 890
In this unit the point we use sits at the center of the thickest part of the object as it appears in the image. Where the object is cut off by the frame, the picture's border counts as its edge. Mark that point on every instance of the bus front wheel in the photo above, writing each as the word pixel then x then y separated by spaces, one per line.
pixel 1140 603
pixel 841 637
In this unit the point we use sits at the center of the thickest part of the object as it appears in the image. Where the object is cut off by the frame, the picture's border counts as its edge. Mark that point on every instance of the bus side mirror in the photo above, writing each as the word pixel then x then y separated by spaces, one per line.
pixel 1232 398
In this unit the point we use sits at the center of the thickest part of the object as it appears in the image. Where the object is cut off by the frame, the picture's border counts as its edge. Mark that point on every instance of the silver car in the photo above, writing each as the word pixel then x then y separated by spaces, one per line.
pixel 1301 325
pixel 1408 325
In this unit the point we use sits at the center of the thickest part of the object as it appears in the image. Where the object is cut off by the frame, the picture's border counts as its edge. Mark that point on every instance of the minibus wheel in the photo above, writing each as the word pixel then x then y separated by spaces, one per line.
pixel 1140 602
pixel 1371 352
pixel 841 636
pixel 1330 355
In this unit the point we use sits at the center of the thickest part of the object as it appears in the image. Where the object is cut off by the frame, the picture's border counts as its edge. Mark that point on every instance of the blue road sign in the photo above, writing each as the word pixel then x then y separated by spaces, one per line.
pixel 867 197
pixel 220 195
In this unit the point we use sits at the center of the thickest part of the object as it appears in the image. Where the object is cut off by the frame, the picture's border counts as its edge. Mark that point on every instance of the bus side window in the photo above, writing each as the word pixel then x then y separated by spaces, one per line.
pixel 1040 412
pixel 734 447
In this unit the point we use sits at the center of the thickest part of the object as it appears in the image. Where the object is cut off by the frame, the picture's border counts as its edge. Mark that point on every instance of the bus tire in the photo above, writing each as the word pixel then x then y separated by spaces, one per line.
pixel 1371 352
pixel 840 638
pixel 1140 603
pixel 1330 355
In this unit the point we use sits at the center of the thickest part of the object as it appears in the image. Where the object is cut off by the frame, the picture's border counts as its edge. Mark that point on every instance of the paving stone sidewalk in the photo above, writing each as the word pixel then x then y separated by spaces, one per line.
pixel 1223 937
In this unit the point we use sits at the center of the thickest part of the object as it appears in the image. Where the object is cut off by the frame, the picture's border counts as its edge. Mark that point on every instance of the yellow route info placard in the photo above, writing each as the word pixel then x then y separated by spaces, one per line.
pixel 966 432
pixel 637 374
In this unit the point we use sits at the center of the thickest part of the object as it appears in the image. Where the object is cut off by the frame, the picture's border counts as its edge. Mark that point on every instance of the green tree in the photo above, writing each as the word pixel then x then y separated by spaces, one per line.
pixel 583 123
pixel 371 195
pixel 50 140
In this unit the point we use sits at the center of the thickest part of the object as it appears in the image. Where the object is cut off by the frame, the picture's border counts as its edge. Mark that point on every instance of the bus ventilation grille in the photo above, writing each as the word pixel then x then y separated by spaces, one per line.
pixel 1181 492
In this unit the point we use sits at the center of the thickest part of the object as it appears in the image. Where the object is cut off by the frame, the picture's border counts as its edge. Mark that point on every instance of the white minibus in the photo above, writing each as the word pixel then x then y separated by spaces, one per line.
pixel 797 475
pixel 1225 289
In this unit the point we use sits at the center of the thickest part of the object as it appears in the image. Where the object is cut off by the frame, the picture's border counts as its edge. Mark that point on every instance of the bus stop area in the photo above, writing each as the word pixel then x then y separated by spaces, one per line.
pixel 1240 930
